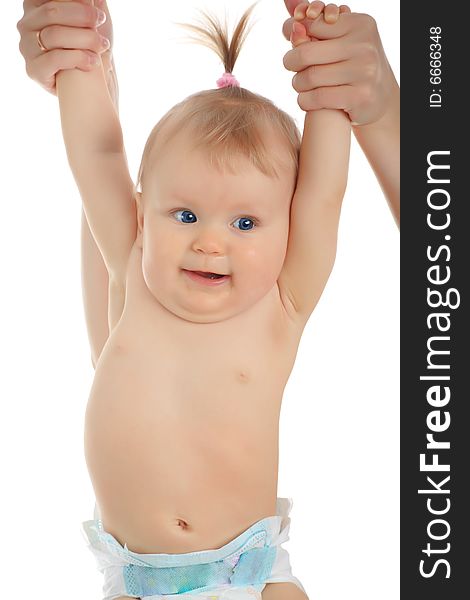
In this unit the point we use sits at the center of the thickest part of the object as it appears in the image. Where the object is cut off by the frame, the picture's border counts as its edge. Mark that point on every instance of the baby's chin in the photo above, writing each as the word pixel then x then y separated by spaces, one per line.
pixel 198 304
pixel 208 314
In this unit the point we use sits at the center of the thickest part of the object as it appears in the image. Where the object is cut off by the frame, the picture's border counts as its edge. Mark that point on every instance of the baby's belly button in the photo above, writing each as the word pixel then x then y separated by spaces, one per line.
pixel 181 524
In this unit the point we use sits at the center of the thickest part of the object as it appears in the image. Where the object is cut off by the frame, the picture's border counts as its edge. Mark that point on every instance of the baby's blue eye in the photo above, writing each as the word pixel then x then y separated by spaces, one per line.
pixel 187 212
pixel 245 223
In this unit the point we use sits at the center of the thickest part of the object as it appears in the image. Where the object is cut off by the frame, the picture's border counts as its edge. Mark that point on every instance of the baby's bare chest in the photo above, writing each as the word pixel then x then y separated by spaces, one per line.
pixel 192 373
pixel 188 369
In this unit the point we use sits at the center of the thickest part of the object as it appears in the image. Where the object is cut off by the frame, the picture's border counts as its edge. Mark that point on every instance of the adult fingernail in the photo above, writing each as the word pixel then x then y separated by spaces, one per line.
pixel 101 17
pixel 105 43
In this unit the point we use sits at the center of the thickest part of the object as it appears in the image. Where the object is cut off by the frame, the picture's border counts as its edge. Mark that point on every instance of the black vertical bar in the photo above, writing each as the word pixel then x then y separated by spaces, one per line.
pixel 435 268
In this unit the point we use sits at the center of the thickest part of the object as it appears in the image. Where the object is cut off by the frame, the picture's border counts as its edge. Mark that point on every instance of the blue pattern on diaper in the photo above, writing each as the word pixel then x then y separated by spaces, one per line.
pixel 252 567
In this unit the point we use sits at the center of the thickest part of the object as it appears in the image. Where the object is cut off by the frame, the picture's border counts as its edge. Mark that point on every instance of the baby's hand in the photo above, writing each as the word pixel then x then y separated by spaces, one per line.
pixel 313 11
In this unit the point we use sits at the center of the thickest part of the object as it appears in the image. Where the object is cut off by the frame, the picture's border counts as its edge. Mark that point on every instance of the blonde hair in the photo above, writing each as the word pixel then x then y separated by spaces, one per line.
pixel 230 120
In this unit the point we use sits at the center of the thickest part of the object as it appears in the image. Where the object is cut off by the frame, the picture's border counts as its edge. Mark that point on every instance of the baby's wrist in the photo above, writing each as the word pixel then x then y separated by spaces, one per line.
pixel 111 78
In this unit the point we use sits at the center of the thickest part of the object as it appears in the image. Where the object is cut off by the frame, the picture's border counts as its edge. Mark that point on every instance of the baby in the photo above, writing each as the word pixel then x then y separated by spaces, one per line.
pixel 215 267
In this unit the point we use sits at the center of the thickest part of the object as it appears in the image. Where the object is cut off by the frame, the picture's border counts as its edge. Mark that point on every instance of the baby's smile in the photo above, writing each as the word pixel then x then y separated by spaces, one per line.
pixel 207 278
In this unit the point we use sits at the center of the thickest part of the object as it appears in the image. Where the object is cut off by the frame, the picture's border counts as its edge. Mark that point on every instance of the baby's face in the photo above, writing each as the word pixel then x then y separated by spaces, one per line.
pixel 197 218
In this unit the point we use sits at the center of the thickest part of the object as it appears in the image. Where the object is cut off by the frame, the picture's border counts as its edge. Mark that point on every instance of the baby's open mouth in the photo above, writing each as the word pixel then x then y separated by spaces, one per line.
pixel 209 275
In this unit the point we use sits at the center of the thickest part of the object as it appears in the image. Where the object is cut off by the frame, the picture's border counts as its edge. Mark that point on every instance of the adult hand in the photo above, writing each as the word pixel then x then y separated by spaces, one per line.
pixel 346 68
pixel 70 32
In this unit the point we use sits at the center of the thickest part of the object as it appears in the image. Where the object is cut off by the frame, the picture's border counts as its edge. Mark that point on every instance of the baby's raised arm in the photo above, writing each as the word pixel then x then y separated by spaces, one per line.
pixel 316 205
pixel 94 142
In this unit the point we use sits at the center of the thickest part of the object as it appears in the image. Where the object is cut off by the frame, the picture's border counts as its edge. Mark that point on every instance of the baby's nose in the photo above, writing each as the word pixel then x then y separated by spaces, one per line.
pixel 209 241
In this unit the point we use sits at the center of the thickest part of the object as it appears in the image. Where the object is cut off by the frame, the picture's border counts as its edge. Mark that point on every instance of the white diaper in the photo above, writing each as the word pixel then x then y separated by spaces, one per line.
pixel 239 570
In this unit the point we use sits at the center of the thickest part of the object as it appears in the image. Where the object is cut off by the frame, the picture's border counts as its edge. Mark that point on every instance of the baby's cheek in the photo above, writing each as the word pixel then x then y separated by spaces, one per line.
pixel 265 263
pixel 148 271
pixel 161 246
pixel 155 257
pixel 254 258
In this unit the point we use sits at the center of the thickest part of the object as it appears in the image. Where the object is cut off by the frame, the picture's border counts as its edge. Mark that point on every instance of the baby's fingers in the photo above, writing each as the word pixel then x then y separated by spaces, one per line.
pixel 315 9
pixel 300 11
pixel 298 35
pixel 331 13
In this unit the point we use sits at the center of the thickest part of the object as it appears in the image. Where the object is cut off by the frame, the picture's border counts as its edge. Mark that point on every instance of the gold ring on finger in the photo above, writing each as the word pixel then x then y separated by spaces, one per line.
pixel 40 44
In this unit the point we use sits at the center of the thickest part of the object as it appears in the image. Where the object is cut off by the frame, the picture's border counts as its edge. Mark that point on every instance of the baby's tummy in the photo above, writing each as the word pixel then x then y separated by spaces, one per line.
pixel 179 468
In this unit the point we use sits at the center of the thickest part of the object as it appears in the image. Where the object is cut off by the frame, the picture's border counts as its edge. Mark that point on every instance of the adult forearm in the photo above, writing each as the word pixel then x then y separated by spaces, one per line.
pixel 380 142
pixel 89 117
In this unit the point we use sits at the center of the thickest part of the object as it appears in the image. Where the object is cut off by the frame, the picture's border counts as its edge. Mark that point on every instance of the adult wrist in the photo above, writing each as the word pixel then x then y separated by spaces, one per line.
pixel 391 116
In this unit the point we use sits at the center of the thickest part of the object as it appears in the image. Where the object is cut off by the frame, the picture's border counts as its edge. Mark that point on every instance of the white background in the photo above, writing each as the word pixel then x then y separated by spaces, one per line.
pixel 339 446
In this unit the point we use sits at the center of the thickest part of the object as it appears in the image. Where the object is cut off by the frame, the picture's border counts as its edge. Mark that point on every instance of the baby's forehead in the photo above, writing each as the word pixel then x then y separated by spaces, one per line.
pixel 197 184
pixel 198 161
pixel 246 186
pixel 181 158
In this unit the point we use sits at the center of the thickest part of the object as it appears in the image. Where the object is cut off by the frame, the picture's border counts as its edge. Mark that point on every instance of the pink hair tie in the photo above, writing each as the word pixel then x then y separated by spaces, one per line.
pixel 227 80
